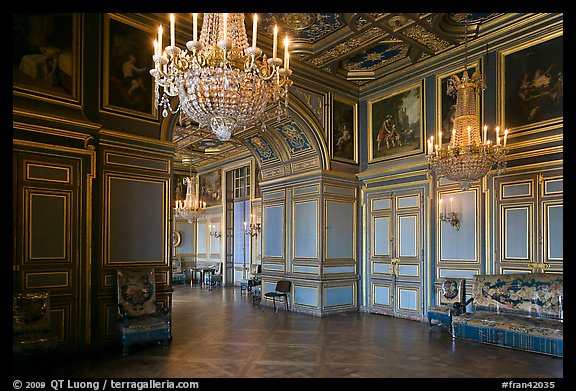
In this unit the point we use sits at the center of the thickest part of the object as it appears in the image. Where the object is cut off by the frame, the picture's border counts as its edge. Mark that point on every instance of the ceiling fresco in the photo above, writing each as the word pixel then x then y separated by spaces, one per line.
pixel 357 47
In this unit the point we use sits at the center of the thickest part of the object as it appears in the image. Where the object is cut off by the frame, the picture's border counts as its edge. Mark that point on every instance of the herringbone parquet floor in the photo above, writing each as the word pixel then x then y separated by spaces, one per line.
pixel 220 333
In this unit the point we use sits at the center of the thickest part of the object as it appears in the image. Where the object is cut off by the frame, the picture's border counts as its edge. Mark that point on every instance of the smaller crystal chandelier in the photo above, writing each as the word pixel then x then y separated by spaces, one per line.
pixel 467 157
pixel 191 208
pixel 222 82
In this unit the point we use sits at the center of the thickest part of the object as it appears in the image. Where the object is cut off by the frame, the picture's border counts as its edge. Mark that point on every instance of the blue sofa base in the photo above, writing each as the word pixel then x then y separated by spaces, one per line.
pixel 515 340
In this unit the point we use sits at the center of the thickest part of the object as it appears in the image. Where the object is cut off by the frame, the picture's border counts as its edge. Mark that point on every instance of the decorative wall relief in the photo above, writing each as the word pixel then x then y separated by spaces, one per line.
pixel 296 139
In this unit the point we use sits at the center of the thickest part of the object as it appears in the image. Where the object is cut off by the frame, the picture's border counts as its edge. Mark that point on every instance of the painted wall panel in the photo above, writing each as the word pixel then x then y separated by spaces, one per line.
pixel 273 231
pixel 48 225
pixel 555 232
pixel 380 242
pixel 306 269
pixel 517 190
pixel 339 230
pixel 136 220
pixel 408 299
pixel 408 236
pixel 381 267
pixel 408 202
pixel 381 295
pixel 516 237
pixel 383 203
pixel 305 295
pixel 408 270
pixel 306 229
pixel 186 237
pixel 339 269
pixel 273 267
pixel 452 273
pixel 554 186
pixel 339 296
pixel 201 237
pixel 459 244
pixel 306 190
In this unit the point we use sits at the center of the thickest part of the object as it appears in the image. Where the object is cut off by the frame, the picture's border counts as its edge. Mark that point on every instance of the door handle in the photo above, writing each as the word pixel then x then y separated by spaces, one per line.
pixel 394 262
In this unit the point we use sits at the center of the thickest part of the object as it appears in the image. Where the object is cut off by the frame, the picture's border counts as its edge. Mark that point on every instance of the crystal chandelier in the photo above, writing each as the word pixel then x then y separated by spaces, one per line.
pixel 191 208
pixel 221 81
pixel 467 157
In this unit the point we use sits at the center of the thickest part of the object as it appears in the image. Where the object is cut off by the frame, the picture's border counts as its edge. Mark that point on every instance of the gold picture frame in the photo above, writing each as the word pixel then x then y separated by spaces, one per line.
pixel 128 86
pixel 210 187
pixel 396 124
pixel 530 80
pixel 46 58
pixel 343 135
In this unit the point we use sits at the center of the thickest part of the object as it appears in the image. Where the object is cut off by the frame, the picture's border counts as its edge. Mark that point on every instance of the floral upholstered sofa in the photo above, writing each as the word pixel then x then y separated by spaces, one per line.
pixel 520 311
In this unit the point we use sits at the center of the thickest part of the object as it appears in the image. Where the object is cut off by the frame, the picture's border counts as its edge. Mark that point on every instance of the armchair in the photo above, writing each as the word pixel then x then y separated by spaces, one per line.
pixel 452 303
pixel 140 318
pixel 178 275
pixel 31 331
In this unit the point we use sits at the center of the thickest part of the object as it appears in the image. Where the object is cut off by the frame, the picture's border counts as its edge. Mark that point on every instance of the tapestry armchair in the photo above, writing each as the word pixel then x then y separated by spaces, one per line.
pixel 452 302
pixel 140 318
pixel 31 331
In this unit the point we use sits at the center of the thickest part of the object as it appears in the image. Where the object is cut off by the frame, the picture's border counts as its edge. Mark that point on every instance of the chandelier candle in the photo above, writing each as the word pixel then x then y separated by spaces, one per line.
pixel 254 30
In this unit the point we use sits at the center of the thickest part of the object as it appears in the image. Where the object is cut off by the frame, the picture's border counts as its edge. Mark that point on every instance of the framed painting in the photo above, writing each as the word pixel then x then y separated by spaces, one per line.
pixel 395 124
pixel 446 104
pixel 344 130
pixel 46 56
pixel 211 187
pixel 128 85
pixel 531 84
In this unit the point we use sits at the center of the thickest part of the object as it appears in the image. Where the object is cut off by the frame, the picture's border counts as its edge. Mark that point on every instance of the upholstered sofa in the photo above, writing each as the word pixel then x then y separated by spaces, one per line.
pixel 519 311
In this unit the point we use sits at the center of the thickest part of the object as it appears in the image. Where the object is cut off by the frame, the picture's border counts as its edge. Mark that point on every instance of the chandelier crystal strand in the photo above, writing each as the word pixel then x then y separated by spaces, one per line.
pixel 222 82
pixel 467 157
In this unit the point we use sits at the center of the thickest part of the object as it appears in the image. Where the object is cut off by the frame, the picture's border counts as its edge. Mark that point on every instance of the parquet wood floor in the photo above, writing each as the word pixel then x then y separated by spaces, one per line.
pixel 220 333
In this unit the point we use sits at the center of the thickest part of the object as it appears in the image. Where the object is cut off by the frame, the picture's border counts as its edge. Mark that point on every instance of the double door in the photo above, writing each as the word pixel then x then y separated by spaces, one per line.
pixel 395 278
pixel 530 233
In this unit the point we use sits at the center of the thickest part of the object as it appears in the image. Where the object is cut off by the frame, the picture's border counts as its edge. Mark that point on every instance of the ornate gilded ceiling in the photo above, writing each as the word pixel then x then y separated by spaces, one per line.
pixel 354 47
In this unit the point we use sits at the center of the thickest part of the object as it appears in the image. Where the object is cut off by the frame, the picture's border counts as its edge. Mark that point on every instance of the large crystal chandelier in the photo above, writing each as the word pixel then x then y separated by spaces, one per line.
pixel 221 81
pixel 190 208
pixel 467 157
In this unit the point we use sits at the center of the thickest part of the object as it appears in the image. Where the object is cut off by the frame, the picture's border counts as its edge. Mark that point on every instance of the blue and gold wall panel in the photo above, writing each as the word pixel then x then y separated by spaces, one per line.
pixel 529 210
pixel 309 237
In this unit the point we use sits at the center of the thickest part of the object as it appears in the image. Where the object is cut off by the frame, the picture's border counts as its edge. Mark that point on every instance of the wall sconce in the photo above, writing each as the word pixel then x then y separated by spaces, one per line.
pixel 450 217
pixel 214 233
pixel 255 227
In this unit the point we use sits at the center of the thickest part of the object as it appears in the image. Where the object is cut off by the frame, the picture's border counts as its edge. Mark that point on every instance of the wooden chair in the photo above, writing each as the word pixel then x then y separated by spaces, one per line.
pixel 140 318
pixel 280 292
